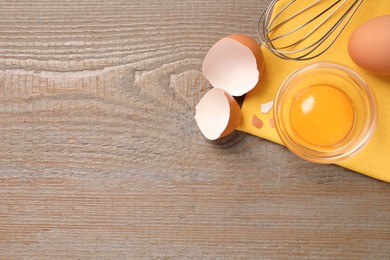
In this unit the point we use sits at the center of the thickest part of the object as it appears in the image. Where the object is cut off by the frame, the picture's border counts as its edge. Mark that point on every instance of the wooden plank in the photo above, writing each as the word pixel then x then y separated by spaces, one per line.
pixel 100 156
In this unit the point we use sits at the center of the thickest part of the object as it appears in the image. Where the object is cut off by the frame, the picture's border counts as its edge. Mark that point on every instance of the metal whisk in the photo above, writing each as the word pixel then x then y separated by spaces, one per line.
pixel 296 33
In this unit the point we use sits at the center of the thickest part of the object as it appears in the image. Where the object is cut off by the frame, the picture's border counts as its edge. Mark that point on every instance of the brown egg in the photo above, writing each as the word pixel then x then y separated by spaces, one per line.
pixel 369 45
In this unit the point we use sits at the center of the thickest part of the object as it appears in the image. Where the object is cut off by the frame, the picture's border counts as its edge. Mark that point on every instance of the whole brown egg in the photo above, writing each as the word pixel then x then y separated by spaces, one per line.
pixel 369 45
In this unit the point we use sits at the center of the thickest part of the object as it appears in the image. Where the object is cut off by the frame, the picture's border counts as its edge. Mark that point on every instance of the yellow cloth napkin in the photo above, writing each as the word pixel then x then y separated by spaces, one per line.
pixel 374 159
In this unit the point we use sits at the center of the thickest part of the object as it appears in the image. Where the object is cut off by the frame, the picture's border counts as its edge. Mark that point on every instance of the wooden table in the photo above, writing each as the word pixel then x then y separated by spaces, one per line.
pixel 100 156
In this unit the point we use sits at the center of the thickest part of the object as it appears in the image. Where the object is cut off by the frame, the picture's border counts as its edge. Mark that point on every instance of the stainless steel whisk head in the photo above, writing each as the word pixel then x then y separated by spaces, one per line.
pixel 296 33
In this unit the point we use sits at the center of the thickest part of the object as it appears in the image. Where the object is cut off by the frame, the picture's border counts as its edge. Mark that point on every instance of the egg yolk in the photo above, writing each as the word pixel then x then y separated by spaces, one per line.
pixel 322 115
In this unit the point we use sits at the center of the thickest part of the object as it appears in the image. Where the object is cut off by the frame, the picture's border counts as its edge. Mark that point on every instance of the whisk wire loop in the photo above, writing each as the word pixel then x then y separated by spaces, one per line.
pixel 307 45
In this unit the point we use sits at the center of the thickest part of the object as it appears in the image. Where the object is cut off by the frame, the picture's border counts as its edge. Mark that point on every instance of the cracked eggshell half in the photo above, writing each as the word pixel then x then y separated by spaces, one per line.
pixel 234 64
pixel 217 114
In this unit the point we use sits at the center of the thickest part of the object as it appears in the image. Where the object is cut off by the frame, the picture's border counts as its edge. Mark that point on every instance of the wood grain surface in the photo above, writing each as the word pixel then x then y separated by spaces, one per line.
pixel 100 156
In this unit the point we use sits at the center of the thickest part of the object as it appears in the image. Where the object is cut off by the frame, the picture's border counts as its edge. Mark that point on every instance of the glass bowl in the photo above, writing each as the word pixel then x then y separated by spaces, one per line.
pixel 348 82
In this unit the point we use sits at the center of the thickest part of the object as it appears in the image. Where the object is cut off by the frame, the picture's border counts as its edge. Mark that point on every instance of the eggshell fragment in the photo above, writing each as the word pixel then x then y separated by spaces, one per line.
pixel 257 122
pixel 234 64
pixel 271 122
pixel 217 114
pixel 266 107
pixel 369 45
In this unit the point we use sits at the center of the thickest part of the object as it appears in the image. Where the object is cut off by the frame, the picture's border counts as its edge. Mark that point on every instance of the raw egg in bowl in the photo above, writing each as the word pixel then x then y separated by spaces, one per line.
pixel 325 112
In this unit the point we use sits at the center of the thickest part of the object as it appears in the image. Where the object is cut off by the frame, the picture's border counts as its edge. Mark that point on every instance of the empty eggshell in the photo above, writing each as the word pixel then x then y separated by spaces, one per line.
pixel 234 64
pixel 217 114
pixel 253 46
pixel 369 45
